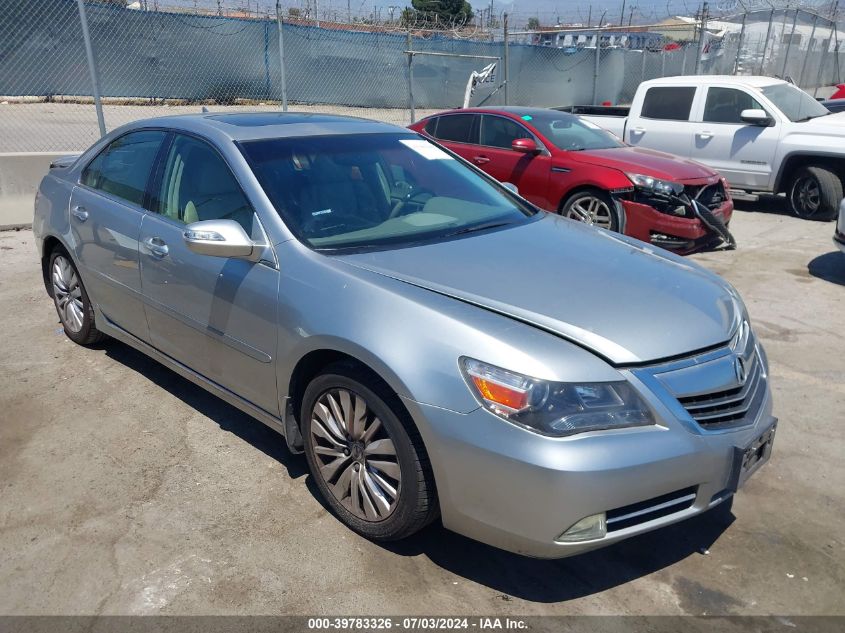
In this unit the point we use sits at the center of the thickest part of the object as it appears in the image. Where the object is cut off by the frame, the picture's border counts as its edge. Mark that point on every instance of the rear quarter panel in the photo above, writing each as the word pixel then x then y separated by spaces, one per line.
pixel 52 208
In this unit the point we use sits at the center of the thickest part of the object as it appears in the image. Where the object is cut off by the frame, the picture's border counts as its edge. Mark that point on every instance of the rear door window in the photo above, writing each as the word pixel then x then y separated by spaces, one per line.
pixel 672 103
pixel 458 128
pixel 123 168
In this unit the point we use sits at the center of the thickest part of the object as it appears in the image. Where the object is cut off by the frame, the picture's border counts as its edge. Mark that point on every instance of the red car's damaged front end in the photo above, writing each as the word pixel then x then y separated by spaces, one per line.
pixel 678 226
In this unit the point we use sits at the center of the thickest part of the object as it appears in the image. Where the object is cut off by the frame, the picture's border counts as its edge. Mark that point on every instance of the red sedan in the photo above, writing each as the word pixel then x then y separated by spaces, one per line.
pixel 569 166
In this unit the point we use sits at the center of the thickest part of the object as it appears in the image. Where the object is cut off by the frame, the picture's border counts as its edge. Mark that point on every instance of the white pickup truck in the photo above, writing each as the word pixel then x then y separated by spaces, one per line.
pixel 763 134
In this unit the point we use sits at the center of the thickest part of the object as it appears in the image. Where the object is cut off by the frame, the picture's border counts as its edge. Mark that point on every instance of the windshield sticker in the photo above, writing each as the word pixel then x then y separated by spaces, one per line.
pixel 323 212
pixel 426 149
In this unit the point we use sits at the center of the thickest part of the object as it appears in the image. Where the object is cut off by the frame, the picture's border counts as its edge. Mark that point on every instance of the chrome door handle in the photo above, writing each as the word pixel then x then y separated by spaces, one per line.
pixel 79 213
pixel 704 135
pixel 156 246
pixel 481 160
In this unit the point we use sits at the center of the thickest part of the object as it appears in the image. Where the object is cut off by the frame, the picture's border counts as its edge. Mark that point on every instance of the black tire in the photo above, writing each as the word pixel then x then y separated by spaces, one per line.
pixel 814 193
pixel 87 333
pixel 416 503
pixel 569 209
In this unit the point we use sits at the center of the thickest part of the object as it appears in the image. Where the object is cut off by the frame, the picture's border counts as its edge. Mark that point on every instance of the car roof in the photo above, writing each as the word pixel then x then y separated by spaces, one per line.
pixel 247 126
pixel 515 111
pixel 752 81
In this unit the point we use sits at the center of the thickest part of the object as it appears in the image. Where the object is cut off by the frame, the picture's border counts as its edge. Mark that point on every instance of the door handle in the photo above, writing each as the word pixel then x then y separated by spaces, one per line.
pixel 704 135
pixel 481 160
pixel 638 130
pixel 79 213
pixel 156 246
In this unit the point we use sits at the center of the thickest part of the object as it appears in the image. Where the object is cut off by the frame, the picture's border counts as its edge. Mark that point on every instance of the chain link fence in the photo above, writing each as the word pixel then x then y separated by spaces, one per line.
pixel 64 62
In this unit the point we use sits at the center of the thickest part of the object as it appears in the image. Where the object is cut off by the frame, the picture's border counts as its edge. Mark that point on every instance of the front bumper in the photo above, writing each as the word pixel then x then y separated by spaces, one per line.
pixel 519 491
pixel 676 233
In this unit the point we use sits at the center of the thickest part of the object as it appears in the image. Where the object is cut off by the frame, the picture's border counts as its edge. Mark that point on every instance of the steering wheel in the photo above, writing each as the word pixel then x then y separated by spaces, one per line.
pixel 412 197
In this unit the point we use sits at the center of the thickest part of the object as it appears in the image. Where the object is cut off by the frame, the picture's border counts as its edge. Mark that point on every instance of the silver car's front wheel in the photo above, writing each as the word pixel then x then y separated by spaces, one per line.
pixel 365 454
pixel 356 455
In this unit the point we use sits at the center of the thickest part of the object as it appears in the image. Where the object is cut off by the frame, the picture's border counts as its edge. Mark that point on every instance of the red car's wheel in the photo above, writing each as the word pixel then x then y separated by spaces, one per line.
pixel 592 207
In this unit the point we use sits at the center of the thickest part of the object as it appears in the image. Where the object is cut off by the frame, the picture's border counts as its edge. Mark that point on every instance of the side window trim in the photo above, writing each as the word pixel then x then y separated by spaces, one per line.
pixel 110 196
pixel 156 174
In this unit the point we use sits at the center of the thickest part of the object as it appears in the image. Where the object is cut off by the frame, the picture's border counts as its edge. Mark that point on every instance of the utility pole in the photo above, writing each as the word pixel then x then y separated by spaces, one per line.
pixel 701 32
pixel 622 14
pixel 630 16
pixel 589 16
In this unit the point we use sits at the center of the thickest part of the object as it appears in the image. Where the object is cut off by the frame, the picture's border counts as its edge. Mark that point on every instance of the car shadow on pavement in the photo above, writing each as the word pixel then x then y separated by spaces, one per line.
pixel 829 267
pixel 776 205
pixel 548 581
pixel 225 415
pixel 509 574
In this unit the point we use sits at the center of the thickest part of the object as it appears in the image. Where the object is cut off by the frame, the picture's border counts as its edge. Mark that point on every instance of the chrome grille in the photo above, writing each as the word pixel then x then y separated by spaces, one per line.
pixel 721 389
pixel 636 513
pixel 723 409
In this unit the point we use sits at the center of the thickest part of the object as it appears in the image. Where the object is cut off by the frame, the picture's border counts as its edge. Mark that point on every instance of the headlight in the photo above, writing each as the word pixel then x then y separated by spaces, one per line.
pixel 655 185
pixel 555 408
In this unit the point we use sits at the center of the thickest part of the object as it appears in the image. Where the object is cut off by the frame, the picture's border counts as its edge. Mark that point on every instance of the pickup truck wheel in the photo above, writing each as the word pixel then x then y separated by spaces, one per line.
pixel 592 207
pixel 815 193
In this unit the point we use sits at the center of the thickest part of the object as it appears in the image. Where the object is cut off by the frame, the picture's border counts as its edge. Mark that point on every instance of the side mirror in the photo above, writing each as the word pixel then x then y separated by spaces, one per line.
pixel 756 116
pixel 525 146
pixel 511 187
pixel 220 238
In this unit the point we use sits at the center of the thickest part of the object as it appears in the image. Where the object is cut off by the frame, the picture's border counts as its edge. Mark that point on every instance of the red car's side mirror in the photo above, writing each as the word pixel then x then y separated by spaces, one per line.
pixel 525 146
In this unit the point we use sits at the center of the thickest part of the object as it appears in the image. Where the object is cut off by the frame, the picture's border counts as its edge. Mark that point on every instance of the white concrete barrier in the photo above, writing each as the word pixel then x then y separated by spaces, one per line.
pixel 20 175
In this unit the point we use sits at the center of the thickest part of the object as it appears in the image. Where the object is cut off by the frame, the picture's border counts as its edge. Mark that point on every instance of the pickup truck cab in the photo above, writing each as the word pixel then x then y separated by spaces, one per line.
pixel 762 134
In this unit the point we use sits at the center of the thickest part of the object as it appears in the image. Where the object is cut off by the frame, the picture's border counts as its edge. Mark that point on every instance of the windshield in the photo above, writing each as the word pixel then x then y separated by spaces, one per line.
pixel 795 104
pixel 566 131
pixel 376 190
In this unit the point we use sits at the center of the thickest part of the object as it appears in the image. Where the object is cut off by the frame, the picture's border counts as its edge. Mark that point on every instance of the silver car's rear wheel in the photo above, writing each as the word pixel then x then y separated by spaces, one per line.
pixel 71 299
pixel 365 453
pixel 67 292
pixel 356 455
pixel 592 207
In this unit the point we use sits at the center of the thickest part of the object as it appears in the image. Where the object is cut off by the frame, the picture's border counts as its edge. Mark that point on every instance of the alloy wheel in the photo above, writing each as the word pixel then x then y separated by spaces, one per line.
pixel 806 196
pixel 591 210
pixel 67 292
pixel 355 455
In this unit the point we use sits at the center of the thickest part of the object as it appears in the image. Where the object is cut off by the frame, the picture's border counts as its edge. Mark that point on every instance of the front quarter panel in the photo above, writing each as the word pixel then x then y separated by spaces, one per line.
pixel 410 336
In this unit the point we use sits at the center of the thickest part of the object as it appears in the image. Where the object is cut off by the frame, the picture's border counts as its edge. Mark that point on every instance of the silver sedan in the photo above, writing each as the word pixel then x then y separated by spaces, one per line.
pixel 434 344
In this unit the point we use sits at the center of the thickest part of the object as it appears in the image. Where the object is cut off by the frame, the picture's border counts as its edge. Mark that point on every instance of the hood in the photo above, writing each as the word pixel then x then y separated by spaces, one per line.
pixel 829 125
pixel 649 162
pixel 623 299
